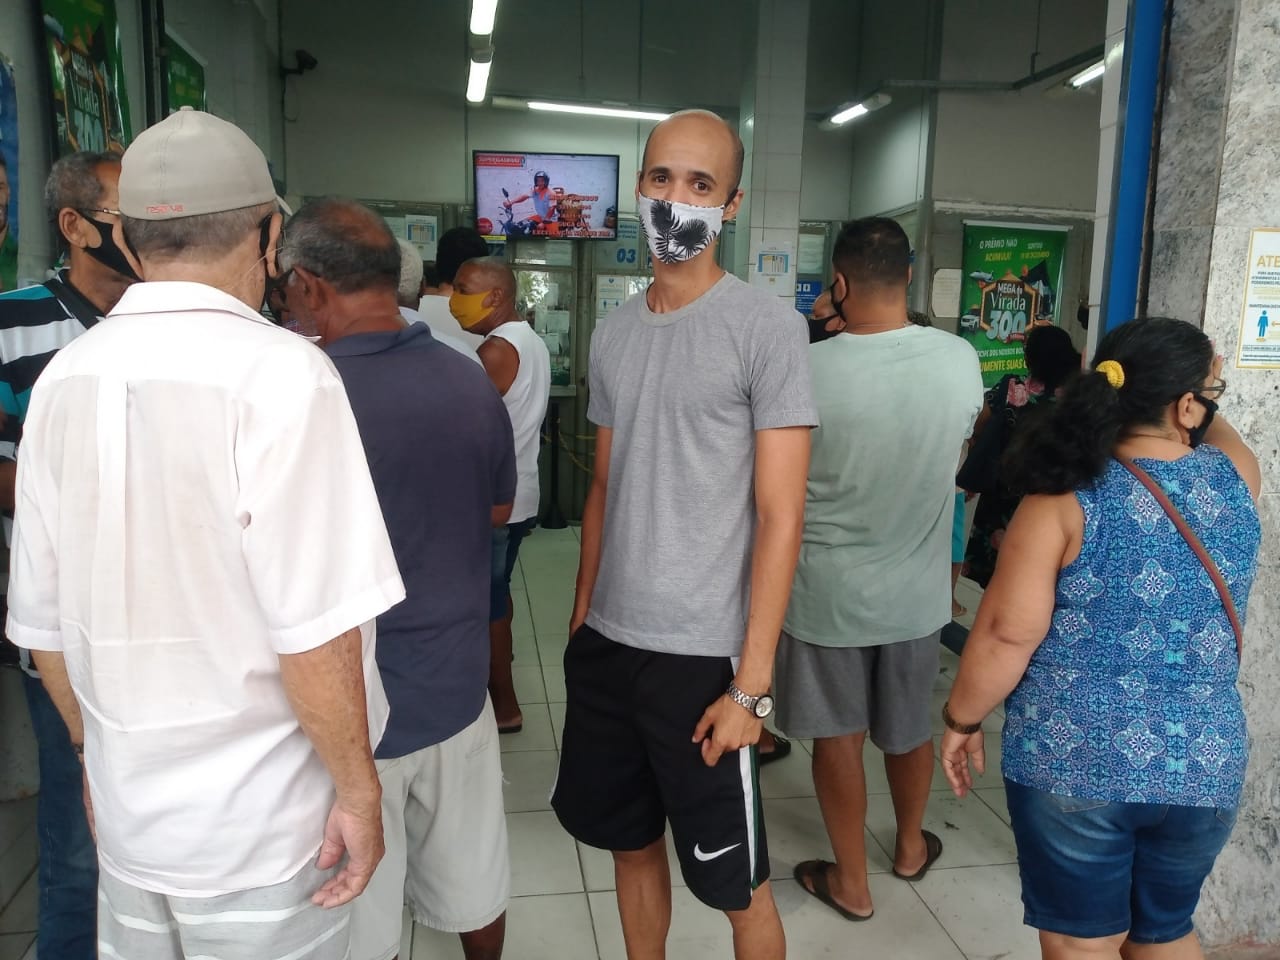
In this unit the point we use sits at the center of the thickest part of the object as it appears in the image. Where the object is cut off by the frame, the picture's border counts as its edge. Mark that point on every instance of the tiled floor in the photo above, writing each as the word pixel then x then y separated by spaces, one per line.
pixel 563 906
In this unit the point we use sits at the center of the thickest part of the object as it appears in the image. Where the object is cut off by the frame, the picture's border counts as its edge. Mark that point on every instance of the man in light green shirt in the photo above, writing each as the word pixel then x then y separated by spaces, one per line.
pixel 859 648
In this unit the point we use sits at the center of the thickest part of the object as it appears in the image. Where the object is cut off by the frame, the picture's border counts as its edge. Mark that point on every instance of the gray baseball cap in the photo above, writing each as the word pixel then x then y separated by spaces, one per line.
pixel 193 163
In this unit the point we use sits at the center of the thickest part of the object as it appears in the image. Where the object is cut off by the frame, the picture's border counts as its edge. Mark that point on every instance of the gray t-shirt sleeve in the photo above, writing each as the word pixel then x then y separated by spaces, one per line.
pixel 781 387
pixel 600 404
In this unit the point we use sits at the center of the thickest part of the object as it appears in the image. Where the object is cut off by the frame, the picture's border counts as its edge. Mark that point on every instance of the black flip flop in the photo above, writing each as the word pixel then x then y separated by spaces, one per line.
pixel 514 728
pixel 815 871
pixel 933 850
pixel 781 748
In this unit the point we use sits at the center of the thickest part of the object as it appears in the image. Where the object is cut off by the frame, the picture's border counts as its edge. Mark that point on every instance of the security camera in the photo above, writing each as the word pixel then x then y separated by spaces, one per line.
pixel 305 62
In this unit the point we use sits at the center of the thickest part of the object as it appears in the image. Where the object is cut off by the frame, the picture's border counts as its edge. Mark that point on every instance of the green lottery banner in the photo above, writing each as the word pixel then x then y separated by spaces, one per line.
pixel 186 78
pixel 90 103
pixel 1012 279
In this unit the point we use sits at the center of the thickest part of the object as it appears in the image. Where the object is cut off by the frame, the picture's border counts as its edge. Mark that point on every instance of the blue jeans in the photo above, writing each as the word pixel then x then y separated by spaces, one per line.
pixel 68 877
pixel 1094 868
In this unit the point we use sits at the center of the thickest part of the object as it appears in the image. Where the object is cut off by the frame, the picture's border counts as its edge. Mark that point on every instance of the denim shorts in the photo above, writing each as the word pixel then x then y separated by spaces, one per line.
pixel 506 550
pixel 1095 868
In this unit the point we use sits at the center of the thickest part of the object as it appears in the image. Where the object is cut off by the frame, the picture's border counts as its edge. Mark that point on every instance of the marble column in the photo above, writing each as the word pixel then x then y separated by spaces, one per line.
pixel 1191 137
pixel 772 129
pixel 1240 900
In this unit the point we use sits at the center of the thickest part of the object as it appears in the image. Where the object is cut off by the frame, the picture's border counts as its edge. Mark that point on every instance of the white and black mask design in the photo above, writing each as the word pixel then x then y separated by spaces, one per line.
pixel 678 231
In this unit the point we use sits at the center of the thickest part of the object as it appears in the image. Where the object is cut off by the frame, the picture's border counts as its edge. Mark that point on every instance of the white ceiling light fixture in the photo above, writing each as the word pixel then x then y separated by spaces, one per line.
pixel 483 14
pixel 478 80
pixel 588 110
pixel 860 109
pixel 1088 75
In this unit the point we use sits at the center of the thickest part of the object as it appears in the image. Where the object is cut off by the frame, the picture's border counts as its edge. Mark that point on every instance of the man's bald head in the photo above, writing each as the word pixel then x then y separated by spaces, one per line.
pixel 344 243
pixel 701 127
pixel 487 273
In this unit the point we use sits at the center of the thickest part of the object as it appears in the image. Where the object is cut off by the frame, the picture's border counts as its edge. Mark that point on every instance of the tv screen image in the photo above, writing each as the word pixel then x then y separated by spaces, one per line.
pixel 565 195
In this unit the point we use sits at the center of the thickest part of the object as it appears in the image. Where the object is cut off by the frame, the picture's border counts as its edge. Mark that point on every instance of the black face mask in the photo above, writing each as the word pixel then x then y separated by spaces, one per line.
pixel 818 331
pixel 106 252
pixel 1196 434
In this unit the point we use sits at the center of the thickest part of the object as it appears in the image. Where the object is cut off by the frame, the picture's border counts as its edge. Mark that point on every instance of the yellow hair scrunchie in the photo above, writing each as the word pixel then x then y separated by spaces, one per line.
pixel 1113 372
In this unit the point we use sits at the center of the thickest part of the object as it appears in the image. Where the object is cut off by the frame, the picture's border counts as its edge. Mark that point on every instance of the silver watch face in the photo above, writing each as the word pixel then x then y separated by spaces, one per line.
pixel 764 706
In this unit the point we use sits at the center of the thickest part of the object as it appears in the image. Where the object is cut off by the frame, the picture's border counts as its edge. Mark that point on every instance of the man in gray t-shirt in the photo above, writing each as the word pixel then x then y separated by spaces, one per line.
pixel 701 397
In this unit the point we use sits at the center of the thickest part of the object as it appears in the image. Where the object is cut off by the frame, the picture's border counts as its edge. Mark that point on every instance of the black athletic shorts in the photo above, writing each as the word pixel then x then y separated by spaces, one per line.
pixel 628 765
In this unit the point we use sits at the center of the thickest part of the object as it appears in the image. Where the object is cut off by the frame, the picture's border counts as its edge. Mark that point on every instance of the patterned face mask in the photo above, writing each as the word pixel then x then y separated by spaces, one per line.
pixel 679 231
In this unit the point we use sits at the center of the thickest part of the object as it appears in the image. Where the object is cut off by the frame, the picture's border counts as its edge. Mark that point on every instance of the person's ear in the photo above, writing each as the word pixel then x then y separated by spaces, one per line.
pixel 273 244
pixel 117 234
pixel 77 233
pixel 1188 412
pixel 305 288
pixel 839 290
pixel 731 208
pixel 639 180
pixel 493 298
pixel 910 273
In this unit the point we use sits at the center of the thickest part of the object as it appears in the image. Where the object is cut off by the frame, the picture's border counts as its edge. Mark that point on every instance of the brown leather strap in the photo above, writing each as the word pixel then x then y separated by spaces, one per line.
pixel 1193 541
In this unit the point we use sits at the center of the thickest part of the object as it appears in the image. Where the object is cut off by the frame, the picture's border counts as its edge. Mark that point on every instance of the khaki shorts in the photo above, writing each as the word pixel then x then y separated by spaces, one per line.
pixel 446 839
pixel 268 923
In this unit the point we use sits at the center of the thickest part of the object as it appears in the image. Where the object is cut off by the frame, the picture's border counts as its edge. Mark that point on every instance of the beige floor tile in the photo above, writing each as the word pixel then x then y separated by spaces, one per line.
pixel 972 835
pixel 544 859
pixel 20 913
pixel 536 734
pixel 981 909
pixel 527 779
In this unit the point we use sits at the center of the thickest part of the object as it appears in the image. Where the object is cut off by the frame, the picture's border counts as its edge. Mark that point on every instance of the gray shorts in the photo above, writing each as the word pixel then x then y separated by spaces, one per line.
pixel 835 691
pixel 269 923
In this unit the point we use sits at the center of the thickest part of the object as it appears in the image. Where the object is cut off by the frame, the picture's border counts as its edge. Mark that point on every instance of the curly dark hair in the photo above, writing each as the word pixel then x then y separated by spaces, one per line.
pixel 1162 359
pixel 1051 356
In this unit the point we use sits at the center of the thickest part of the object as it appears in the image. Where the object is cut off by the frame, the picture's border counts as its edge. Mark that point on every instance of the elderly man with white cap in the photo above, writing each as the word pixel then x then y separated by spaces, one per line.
pixel 198 559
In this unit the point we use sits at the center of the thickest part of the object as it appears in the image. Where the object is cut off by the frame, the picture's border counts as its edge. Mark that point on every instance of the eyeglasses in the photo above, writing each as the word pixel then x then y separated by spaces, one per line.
pixel 85 211
pixel 1216 390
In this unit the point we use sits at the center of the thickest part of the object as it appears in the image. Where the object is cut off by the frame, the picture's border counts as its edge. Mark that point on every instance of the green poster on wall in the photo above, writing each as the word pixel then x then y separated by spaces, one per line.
pixel 186 78
pixel 90 103
pixel 1012 280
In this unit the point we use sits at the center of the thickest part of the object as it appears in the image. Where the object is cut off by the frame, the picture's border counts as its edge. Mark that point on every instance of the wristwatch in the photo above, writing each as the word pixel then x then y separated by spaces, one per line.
pixel 760 706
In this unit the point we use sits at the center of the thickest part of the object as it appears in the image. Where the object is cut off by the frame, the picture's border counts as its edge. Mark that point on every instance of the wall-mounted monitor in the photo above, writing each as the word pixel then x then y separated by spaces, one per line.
pixel 562 195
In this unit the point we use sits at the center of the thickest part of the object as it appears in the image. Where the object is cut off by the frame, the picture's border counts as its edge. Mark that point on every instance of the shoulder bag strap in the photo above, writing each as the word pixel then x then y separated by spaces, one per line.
pixel 1192 541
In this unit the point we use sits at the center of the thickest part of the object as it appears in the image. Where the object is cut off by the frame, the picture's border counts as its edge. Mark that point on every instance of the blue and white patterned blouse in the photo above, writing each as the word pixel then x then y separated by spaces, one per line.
pixel 1132 695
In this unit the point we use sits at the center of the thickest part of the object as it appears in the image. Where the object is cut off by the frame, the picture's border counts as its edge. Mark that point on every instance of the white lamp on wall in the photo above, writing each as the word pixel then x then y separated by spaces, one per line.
pixel 1088 75
pixel 853 111
pixel 483 14
pixel 478 76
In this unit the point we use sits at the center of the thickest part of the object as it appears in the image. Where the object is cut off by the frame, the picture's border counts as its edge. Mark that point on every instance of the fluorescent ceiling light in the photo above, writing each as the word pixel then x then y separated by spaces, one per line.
pixel 483 13
pixel 844 116
pixel 620 112
pixel 478 80
pixel 859 109
pixel 1088 75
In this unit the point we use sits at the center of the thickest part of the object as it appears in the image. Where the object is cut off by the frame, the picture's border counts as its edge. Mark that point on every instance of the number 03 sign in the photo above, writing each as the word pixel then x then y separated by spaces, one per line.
pixel 1011 280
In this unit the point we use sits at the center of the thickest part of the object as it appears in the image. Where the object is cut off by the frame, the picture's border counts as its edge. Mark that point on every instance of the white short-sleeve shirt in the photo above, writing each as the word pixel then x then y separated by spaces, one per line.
pixel 194 501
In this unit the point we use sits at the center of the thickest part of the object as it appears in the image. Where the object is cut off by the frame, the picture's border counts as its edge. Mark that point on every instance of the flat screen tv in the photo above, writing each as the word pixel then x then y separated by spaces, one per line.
pixel 563 195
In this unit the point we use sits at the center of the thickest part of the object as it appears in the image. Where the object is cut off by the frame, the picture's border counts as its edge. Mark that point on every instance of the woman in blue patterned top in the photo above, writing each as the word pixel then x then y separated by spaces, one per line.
pixel 1124 738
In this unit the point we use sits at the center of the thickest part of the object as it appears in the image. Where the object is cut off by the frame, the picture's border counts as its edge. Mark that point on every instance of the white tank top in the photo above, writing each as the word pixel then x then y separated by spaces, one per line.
pixel 526 402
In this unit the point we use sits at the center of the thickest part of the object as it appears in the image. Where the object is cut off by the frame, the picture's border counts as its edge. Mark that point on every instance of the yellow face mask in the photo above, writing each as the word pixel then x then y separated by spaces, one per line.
pixel 468 308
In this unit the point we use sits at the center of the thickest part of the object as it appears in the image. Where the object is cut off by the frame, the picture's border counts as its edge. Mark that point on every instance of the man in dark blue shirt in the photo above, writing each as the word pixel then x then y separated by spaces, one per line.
pixel 441 453
pixel 81 196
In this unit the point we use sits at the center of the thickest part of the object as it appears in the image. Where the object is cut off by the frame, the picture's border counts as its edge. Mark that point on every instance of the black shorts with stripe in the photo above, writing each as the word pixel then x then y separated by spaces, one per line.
pixel 628 766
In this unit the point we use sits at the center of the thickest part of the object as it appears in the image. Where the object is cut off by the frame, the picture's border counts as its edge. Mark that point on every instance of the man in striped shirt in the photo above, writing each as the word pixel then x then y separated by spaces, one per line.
pixel 35 323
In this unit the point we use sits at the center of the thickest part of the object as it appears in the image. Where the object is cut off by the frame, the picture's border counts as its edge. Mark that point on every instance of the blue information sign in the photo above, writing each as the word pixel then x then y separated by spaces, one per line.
pixel 807 292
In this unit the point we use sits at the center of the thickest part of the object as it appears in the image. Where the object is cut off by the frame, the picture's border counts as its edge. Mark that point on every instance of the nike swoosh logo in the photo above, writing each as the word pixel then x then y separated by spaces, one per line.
pixel 705 857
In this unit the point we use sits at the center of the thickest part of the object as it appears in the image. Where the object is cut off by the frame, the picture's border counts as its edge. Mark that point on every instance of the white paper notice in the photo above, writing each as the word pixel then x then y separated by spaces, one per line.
pixel 421 231
pixel 812 247
pixel 945 298
pixel 611 291
pixel 1260 317
pixel 773 268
